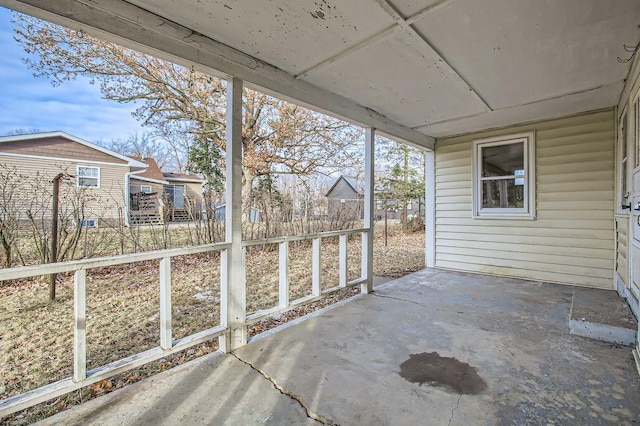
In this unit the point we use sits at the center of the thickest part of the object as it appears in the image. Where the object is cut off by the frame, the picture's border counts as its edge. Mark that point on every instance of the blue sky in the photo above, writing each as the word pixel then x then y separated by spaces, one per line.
pixel 74 107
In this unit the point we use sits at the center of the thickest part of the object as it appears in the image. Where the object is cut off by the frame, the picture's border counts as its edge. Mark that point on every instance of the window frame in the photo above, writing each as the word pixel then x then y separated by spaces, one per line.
pixel 622 164
pixel 142 187
pixel 86 177
pixel 528 212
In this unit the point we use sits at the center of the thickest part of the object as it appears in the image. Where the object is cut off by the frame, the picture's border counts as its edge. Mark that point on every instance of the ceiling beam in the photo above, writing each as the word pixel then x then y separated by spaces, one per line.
pixel 142 30
pixel 406 24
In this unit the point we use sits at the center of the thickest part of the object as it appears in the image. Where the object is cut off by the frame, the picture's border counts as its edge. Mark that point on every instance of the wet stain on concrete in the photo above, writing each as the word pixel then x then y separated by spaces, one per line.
pixel 439 371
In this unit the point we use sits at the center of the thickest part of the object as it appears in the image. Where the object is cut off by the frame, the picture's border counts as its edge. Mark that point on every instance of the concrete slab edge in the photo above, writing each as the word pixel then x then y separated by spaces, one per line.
pixel 602 332
pixel 298 320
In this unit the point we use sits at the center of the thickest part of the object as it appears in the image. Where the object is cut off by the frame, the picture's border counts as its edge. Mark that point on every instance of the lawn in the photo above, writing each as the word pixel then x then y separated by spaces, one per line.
pixel 36 335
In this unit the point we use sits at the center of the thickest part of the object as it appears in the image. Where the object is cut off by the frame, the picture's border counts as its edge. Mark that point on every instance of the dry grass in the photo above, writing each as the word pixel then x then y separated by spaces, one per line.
pixel 122 312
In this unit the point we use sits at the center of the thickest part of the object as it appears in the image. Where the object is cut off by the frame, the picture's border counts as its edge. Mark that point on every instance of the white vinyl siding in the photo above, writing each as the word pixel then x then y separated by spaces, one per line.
pixel 572 239
pixel 106 201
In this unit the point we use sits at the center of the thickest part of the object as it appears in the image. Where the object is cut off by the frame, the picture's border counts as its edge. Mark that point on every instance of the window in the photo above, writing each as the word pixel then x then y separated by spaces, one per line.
pixel 146 189
pixel 88 176
pixel 379 204
pixel 504 177
pixel 409 205
pixel 89 223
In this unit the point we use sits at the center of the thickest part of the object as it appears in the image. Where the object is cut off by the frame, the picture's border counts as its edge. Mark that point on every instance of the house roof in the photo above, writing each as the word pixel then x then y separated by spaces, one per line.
pixel 152 173
pixel 350 181
pixel 46 135
pixel 180 177
pixel 412 69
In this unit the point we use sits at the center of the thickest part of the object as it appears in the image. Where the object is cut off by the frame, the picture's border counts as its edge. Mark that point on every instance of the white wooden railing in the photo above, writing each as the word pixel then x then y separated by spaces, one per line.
pixel 81 377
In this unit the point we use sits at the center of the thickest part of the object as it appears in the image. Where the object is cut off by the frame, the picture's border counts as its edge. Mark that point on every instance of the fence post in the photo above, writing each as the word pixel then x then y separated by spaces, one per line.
pixel 367 237
pixel 80 325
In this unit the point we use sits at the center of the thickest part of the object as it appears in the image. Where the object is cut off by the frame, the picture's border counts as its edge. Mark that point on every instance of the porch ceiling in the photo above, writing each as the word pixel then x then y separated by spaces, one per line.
pixel 440 67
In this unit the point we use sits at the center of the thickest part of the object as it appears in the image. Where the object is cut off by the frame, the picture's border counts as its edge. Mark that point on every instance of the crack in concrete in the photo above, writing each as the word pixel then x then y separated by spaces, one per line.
pixel 310 414
pixel 453 410
pixel 400 299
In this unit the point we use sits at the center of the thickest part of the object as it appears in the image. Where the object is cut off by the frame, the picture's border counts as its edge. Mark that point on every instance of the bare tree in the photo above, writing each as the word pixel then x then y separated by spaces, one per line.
pixel 278 137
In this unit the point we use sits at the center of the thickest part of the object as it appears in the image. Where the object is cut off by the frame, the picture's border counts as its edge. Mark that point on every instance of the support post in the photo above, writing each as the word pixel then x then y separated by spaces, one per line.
pixel 283 284
pixel 430 208
pixel 80 325
pixel 166 340
pixel 316 267
pixel 235 286
pixel 367 237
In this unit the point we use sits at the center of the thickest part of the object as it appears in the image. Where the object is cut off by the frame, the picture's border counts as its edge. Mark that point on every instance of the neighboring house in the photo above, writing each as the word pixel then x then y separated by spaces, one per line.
pixel 104 173
pixel 345 200
pixel 184 196
pixel 146 194
pixel 157 196
pixel 132 189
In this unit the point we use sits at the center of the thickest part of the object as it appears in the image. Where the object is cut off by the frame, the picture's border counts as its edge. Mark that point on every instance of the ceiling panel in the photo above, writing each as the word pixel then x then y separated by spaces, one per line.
pixel 518 51
pixel 291 35
pixel 401 78
pixel 602 97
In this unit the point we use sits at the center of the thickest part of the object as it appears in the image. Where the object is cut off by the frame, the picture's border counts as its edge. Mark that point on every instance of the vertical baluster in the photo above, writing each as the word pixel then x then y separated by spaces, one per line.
pixel 283 284
pixel 80 325
pixel 316 267
pixel 343 260
pixel 165 303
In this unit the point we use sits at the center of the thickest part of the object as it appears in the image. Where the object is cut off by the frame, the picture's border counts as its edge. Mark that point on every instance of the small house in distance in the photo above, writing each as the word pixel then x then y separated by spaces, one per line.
pixel 345 200
pixel 35 159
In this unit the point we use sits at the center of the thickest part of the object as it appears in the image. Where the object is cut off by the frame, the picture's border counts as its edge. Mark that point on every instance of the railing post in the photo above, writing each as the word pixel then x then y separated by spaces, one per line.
pixel 430 208
pixel 166 339
pixel 344 265
pixel 283 282
pixel 236 290
pixel 80 325
pixel 316 267
pixel 367 237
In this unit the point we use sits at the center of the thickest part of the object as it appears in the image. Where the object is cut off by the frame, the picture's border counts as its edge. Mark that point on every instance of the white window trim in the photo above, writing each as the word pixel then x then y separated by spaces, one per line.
pixel 142 187
pixel 621 177
pixel 78 176
pixel 528 212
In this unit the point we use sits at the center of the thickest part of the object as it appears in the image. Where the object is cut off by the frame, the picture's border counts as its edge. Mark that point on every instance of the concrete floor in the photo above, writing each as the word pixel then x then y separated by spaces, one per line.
pixel 435 347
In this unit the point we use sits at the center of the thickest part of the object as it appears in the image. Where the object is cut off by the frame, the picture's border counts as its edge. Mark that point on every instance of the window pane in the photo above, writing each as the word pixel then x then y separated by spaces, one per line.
pixel 88 172
pixel 503 193
pixel 502 160
pixel 88 181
